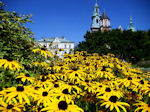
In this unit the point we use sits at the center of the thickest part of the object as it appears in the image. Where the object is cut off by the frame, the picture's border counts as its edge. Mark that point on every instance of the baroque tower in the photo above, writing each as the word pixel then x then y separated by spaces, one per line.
pixel 131 27
pixel 95 18
pixel 99 22
pixel 105 22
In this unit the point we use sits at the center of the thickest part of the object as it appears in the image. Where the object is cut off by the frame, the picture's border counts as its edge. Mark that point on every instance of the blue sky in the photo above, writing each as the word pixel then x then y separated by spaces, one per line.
pixel 72 18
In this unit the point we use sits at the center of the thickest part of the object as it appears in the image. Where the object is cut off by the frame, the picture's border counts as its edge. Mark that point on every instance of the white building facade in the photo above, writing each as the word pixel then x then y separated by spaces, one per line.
pixel 58 46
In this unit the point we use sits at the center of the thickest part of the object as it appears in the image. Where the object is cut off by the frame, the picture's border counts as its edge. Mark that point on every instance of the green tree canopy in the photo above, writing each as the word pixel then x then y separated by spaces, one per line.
pixel 16 40
pixel 127 45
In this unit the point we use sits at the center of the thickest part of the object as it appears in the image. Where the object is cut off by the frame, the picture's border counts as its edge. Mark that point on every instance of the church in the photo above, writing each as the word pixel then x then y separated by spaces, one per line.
pixel 102 22
pixel 99 22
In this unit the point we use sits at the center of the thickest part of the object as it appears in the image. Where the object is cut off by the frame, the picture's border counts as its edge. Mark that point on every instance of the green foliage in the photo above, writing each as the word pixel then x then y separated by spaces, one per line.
pixel 16 43
pixel 16 40
pixel 127 45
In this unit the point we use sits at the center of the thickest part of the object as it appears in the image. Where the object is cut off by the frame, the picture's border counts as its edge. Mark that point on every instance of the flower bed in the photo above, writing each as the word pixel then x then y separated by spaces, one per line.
pixel 76 83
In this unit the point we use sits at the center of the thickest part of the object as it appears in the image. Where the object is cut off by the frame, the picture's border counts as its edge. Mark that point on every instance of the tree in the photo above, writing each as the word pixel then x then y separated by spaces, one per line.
pixel 16 41
pixel 127 45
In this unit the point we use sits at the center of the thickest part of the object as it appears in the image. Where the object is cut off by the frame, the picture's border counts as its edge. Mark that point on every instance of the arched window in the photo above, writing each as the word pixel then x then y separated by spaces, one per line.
pixel 96 10
pixel 96 20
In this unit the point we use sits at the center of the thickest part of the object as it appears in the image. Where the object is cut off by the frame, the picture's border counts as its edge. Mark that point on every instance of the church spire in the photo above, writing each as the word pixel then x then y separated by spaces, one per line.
pixel 96 10
pixel 131 27
pixel 96 18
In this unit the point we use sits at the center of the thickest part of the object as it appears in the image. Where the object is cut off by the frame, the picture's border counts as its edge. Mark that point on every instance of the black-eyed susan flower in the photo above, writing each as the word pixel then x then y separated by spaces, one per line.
pixel 21 93
pixel 44 96
pixel 60 49
pixel 4 107
pixel 64 94
pixel 104 72
pixel 107 92
pixel 129 81
pixel 142 106
pixel 42 64
pixel 113 103
pixel 10 64
pixel 43 81
pixel 43 51
pixel 25 77
pixel 62 106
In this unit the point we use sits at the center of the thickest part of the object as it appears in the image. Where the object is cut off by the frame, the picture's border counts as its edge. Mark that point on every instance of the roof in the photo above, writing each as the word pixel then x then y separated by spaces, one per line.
pixel 62 40
pixel 104 16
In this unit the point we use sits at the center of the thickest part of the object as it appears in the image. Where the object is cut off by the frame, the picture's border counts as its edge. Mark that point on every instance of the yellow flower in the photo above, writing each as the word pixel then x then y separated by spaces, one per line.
pixel 64 93
pixel 25 77
pixel 62 106
pixel 4 107
pixel 107 92
pixel 129 81
pixel 60 49
pixel 10 64
pixel 43 51
pixel 43 64
pixel 44 95
pixel 105 72
pixel 143 106
pixel 20 92
pixel 112 103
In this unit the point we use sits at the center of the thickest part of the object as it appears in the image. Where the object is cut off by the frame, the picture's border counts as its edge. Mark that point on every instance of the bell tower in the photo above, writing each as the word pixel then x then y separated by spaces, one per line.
pixel 95 19
pixel 104 22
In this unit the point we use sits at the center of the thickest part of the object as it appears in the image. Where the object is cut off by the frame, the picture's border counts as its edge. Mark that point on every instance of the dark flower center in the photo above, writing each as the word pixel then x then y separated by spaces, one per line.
pixel 133 92
pixel 139 77
pixel 43 79
pixel 100 86
pixel 65 91
pixel 62 105
pixel 88 96
pixel 71 84
pixel 44 49
pixel 45 94
pixel 87 64
pixel 20 88
pixel 74 69
pixel 69 57
pixel 45 74
pixel 27 75
pixel 56 85
pixel 36 88
pixel 86 80
pixel 76 75
pixel 107 89
pixel 10 106
pixel 113 99
pixel 129 78
pixel 148 105
pixel 52 72
pixel 9 59
pixel 142 82
pixel 104 68
pixel 84 54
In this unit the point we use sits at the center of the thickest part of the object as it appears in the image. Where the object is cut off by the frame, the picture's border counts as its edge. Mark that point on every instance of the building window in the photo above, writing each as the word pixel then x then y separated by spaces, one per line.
pixel 96 10
pixel 65 46
pixel 69 46
pixel 96 20
pixel 56 46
